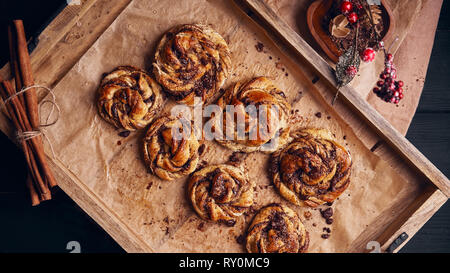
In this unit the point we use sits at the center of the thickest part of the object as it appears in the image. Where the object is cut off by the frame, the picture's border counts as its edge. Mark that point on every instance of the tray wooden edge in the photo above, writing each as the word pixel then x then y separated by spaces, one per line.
pixel 97 210
pixel 413 217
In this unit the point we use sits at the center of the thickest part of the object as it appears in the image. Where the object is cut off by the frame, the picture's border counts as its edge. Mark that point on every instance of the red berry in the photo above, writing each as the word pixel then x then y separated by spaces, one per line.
pixel 397 101
pixel 380 83
pixel 400 83
pixel 351 70
pixel 389 57
pixel 376 90
pixel 346 7
pixel 400 96
pixel 387 70
pixel 400 90
pixel 396 94
pixel 353 17
pixel 393 99
pixel 368 55
pixel 383 76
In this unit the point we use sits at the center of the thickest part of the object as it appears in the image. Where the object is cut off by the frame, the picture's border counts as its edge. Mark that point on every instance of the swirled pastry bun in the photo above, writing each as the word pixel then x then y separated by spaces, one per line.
pixel 312 170
pixel 167 154
pixel 277 229
pixel 192 60
pixel 266 130
pixel 129 98
pixel 220 193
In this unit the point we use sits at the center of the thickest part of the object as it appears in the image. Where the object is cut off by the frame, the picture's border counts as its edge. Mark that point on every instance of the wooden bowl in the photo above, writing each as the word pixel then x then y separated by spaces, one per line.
pixel 317 11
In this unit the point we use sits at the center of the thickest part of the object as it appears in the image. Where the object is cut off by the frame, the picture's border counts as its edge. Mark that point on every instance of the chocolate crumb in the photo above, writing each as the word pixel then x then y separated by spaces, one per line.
pixel 166 220
pixel 326 213
pixel 307 215
pixel 149 185
pixel 318 114
pixel 259 47
pixel 314 225
pixel 270 58
pixel 344 137
pixel 124 133
pixel 236 158
pixel 328 117
pixel 325 236
pixel 119 142
pixel 327 229
pixel 201 149
pixel 167 230
pixel 286 74
pixel 240 239
pixel 329 221
pixel 201 227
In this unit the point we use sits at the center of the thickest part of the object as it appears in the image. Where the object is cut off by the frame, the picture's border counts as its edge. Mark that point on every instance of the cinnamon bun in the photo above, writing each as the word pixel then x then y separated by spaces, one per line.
pixel 312 170
pixel 259 121
pixel 220 193
pixel 192 60
pixel 129 98
pixel 171 147
pixel 277 229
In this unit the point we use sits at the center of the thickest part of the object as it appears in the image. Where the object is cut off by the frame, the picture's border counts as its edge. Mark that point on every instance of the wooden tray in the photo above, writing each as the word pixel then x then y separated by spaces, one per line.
pixel 413 215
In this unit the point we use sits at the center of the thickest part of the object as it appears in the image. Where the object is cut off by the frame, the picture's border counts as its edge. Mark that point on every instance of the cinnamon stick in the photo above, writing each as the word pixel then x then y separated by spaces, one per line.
pixel 24 113
pixel 26 73
pixel 23 60
pixel 31 148
pixel 14 66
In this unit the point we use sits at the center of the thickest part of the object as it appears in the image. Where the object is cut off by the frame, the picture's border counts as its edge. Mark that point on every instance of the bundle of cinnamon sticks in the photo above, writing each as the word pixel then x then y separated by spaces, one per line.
pixel 23 110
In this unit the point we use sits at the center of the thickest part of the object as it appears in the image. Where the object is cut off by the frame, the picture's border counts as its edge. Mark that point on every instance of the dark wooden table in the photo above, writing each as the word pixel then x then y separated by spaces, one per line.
pixel 50 226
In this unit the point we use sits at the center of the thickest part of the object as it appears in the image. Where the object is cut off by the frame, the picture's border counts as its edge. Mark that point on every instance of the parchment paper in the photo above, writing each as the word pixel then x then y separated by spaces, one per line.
pixel 158 211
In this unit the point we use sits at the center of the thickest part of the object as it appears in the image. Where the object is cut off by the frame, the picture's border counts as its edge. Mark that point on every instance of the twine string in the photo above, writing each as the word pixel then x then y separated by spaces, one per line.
pixel 27 135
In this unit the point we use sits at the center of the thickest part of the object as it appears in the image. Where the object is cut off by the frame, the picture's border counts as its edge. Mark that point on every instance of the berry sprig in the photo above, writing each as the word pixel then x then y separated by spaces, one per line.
pixel 388 87
pixel 348 10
